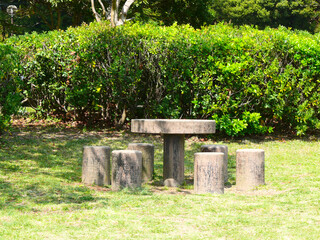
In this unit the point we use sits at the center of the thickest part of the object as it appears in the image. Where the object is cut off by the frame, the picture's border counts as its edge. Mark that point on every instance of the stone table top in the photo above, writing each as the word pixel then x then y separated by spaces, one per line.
pixel 173 126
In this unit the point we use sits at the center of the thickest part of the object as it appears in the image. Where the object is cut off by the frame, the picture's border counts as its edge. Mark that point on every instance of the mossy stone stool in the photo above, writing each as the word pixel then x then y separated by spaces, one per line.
pixel 147 151
pixel 96 165
pixel 126 169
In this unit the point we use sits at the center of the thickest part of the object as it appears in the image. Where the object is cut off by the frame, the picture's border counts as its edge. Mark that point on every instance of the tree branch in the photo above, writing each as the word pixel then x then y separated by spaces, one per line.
pixel 113 13
pixel 115 21
pixel 59 19
pixel 96 15
pixel 116 16
pixel 125 10
pixel 103 8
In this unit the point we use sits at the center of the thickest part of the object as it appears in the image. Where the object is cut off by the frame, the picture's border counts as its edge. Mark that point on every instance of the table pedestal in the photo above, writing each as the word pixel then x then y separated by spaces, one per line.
pixel 173 157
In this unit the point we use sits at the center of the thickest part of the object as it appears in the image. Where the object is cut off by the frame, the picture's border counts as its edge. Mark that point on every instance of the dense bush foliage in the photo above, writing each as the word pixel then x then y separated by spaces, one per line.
pixel 297 14
pixel 249 80
pixel 9 96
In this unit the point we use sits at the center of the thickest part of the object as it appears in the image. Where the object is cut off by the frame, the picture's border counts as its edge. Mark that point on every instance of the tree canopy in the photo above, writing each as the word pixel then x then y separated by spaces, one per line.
pixel 45 15
pixel 298 14
pixel 193 12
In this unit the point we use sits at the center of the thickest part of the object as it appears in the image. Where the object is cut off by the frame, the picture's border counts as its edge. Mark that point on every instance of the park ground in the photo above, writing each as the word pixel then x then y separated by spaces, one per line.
pixel 41 195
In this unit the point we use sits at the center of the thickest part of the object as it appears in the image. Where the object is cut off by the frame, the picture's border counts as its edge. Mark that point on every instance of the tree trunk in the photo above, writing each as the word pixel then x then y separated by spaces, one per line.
pixel 114 10
pixel 115 19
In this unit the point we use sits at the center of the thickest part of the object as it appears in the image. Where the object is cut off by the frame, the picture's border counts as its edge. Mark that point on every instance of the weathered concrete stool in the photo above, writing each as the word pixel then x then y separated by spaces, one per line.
pixel 147 151
pixel 219 148
pixel 250 169
pixel 208 172
pixel 126 169
pixel 96 165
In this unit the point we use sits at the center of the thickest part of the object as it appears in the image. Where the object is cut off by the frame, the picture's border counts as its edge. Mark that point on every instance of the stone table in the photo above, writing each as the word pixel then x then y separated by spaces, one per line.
pixel 173 131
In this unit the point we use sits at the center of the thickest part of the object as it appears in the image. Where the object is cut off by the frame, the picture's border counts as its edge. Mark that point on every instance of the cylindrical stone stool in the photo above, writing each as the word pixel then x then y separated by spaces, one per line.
pixel 96 165
pixel 208 172
pixel 147 151
pixel 250 169
pixel 126 169
pixel 219 148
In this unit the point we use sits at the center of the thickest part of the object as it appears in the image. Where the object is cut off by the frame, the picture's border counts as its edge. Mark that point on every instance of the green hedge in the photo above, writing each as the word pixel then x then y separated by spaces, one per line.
pixel 249 80
pixel 9 93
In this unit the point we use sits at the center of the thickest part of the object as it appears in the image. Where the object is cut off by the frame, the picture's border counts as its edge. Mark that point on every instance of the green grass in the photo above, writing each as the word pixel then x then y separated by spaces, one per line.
pixel 41 195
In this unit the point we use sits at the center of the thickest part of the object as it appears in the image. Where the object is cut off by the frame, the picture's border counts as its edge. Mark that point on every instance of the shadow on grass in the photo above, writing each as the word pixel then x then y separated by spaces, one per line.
pixel 37 167
pixel 39 156
pixel 43 166
pixel 22 197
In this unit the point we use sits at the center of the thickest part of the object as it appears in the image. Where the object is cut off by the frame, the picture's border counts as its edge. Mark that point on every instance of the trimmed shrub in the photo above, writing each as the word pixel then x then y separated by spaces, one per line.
pixel 249 80
pixel 9 96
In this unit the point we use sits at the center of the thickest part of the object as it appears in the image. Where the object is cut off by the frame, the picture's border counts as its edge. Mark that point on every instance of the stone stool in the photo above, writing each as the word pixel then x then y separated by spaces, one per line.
pixel 126 169
pixel 250 169
pixel 219 148
pixel 208 172
pixel 147 151
pixel 96 165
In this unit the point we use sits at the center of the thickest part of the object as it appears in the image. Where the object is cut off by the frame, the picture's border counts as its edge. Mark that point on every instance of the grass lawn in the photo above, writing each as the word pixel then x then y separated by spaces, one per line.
pixel 41 195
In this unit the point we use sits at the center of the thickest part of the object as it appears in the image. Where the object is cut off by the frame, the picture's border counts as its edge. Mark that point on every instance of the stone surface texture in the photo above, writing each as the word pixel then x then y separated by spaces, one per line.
pixel 249 169
pixel 147 151
pixel 173 126
pixel 96 165
pixel 208 172
pixel 219 148
pixel 173 158
pixel 126 169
